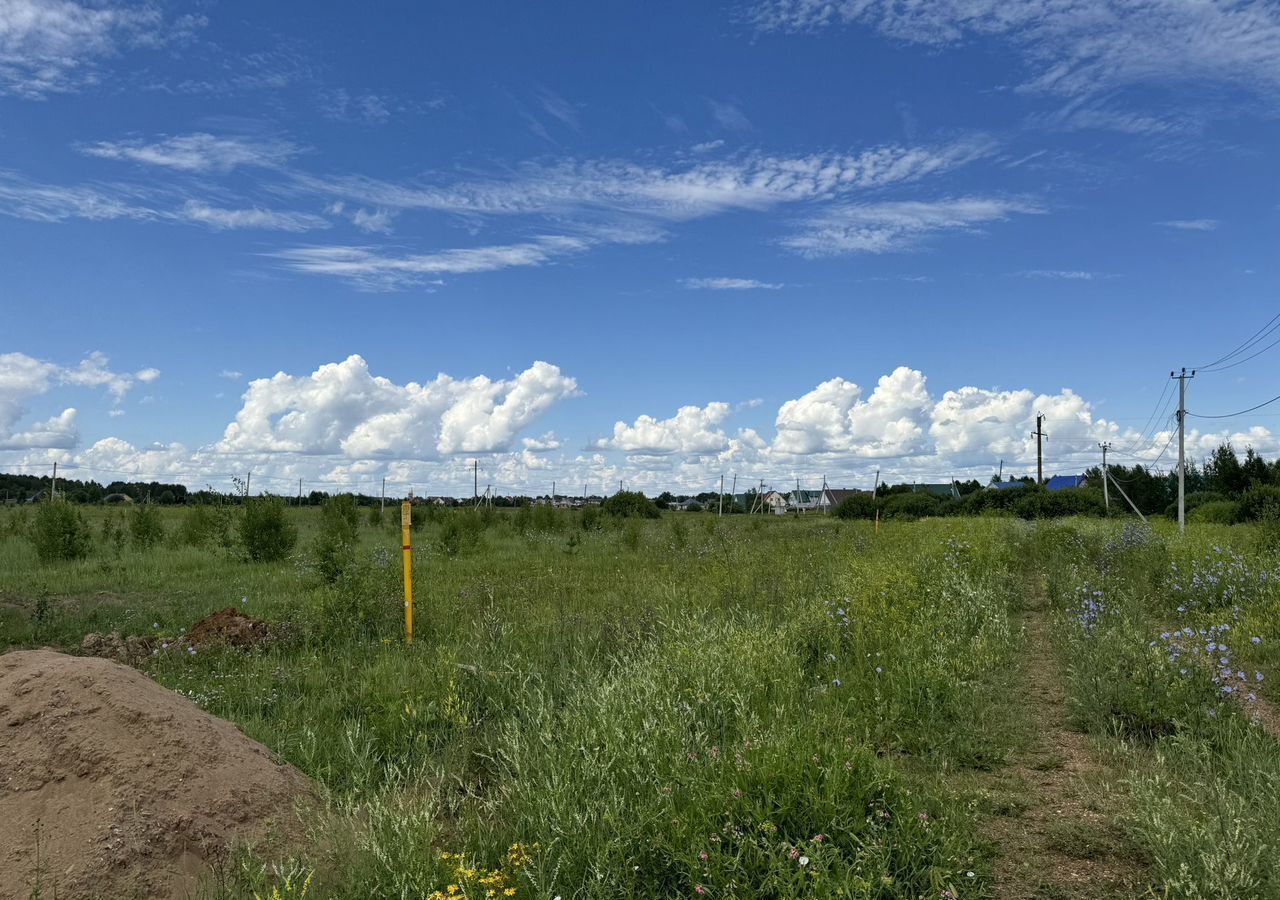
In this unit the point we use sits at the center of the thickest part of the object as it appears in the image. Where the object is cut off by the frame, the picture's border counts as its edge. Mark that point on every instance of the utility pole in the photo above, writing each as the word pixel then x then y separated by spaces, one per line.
pixel 553 495
pixel 381 506
pixel 1039 435
pixel 721 512
pixel 475 480
pixel 733 491
pixel 1000 473
pixel 875 488
pixel 1182 445
pixel 1106 495
pixel 299 491
pixel 247 478
pixel 53 488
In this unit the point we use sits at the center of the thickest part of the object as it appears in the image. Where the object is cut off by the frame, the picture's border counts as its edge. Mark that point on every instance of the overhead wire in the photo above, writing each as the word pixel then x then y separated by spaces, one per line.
pixel 1266 330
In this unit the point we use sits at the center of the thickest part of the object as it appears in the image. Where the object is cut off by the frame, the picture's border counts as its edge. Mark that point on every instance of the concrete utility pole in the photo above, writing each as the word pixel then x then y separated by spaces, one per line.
pixel 1039 435
pixel 1182 445
pixel 300 491
pixel 721 512
pixel 382 505
pixel 553 494
pixel 875 488
pixel 248 476
pixel 1106 495
pixel 475 480
pixel 53 488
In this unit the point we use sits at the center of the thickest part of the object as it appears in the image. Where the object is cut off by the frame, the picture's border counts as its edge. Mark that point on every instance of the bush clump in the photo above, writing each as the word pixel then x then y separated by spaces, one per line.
pixel 59 532
pixel 631 505
pixel 1261 504
pixel 145 526
pixel 857 506
pixel 265 532
pixel 1216 512
pixel 203 526
pixel 333 548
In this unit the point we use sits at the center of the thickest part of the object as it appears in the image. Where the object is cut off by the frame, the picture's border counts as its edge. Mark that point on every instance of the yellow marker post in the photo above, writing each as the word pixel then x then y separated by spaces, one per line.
pixel 406 520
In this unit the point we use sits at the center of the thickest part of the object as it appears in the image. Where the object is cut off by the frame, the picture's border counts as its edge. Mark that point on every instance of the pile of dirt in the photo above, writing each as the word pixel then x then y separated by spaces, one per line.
pixel 130 650
pixel 228 627
pixel 131 788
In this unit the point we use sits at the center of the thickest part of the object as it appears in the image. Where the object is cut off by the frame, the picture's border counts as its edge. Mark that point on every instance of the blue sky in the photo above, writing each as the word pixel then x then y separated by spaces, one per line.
pixel 654 243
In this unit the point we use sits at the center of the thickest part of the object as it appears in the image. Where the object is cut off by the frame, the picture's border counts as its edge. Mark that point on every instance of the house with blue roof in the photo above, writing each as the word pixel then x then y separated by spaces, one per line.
pixel 1061 482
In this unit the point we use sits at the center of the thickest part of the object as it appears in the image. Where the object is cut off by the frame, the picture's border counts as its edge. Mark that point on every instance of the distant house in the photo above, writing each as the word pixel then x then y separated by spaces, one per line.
pixel 947 491
pixel 1061 482
pixel 804 501
pixel 1007 485
pixel 835 496
pixel 775 502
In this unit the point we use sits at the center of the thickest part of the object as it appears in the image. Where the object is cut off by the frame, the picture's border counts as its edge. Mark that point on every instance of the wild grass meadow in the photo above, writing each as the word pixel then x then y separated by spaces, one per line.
pixel 695 706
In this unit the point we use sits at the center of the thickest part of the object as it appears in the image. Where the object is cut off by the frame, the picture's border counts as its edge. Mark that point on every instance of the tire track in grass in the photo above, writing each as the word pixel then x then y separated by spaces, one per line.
pixel 1053 837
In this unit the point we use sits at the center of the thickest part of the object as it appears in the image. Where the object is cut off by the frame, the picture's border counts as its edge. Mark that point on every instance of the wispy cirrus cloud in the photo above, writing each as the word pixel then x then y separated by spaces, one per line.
pixel 1062 274
pixel 898 225
pixel 372 269
pixel 199 152
pixel 221 219
pixel 1075 47
pixel 1190 224
pixel 753 182
pixel 23 198
pixel 729 284
pixel 56 46
pixel 37 202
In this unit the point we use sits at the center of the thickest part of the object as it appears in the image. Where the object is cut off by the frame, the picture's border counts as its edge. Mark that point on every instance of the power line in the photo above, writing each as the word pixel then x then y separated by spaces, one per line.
pixel 1240 413
pixel 1255 338
pixel 1240 362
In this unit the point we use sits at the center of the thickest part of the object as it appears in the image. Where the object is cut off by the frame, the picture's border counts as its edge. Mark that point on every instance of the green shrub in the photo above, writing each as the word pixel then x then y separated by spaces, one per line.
pixel 911 506
pixel 59 532
pixel 1261 504
pixel 545 518
pixel 591 519
pixel 265 532
pixel 460 531
pixel 362 601
pixel 857 506
pixel 1216 512
pixel 203 526
pixel 146 528
pixel 374 517
pixel 631 504
pixel 333 548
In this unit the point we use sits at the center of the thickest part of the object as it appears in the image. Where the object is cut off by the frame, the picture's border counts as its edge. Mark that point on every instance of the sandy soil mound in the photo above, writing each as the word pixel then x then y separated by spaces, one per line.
pixel 136 789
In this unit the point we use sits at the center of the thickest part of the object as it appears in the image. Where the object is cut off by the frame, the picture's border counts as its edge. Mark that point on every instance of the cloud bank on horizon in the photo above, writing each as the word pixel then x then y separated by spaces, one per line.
pixel 342 423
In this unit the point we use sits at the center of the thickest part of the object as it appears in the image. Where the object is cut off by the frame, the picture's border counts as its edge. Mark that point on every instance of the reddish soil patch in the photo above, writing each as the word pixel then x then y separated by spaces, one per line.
pixel 132 788
pixel 228 627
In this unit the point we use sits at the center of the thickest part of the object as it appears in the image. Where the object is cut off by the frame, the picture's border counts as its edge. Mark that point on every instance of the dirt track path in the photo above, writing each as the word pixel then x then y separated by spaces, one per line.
pixel 1055 840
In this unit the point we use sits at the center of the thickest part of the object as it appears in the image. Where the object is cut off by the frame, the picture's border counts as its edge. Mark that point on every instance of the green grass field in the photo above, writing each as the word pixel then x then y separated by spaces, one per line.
pixel 736 707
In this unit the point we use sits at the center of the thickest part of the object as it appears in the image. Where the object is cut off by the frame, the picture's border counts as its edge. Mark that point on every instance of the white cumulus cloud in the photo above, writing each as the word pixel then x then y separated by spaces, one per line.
pixel 341 408
pixel 692 430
